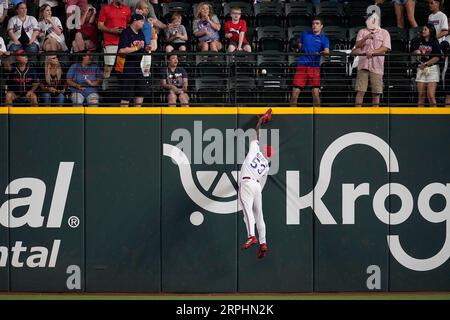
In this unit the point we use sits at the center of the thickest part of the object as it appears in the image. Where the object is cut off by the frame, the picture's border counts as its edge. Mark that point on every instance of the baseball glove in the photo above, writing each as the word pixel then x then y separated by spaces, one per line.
pixel 267 116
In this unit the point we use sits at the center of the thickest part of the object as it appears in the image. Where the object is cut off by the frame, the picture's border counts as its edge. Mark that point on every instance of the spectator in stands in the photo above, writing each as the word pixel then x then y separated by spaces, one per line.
pixel 50 31
pixel 142 8
pixel 235 32
pixel 132 4
pixel 438 19
pixel 23 31
pixel 83 80
pixel 176 35
pixel 400 6
pixel 57 9
pixel 53 86
pixel 152 16
pixel 112 20
pixel 206 28
pixel 22 82
pixel 79 3
pixel 3 51
pixel 131 48
pixel 428 71
pixel 86 37
pixel 156 24
pixel 312 43
pixel 3 10
pixel 371 44
pixel 175 79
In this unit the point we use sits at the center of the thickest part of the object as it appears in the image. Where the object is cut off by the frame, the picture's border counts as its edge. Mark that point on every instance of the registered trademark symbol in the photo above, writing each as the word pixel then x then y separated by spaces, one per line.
pixel 74 222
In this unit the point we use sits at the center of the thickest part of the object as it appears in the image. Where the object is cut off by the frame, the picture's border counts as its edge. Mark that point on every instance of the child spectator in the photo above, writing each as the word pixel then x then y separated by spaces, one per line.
pixel 235 30
pixel 206 28
pixel 175 34
pixel 51 31
pixel 175 79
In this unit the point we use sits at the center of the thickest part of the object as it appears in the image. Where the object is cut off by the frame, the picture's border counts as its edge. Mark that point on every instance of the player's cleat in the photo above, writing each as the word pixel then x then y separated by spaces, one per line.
pixel 262 250
pixel 250 241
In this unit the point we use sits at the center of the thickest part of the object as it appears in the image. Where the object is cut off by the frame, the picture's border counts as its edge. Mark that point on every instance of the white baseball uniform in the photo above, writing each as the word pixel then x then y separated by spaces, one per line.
pixel 254 168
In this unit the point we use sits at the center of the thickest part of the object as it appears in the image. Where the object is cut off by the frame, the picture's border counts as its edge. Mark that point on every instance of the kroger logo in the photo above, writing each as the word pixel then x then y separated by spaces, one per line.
pixel 350 193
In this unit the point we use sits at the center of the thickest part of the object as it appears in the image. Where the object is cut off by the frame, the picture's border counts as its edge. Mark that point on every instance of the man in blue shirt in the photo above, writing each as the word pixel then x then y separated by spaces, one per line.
pixel 84 79
pixel 311 44
pixel 131 47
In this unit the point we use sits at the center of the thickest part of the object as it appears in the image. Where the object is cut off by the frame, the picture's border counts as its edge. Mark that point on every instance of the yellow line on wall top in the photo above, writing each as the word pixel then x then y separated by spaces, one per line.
pixel 220 110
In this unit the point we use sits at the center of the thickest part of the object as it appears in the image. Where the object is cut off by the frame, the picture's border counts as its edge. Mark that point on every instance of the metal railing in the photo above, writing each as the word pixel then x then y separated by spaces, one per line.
pixel 252 79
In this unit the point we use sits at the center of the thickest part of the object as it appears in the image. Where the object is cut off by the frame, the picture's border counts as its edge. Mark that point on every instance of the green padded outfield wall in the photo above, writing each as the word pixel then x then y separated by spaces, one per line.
pixel 421 145
pixel 46 159
pixel 191 234
pixel 349 238
pixel 4 178
pixel 123 232
pixel 145 200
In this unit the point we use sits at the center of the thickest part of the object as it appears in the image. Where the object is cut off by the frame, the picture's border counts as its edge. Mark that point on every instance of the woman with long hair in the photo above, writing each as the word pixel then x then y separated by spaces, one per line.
pixel 427 52
pixel 50 31
pixel 53 85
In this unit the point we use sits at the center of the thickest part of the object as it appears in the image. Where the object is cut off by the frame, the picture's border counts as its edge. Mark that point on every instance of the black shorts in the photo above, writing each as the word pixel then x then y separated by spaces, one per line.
pixel 176 46
pixel 131 87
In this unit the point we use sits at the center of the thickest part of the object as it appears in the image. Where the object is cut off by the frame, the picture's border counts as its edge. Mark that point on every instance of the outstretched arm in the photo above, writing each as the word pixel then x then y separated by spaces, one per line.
pixel 258 126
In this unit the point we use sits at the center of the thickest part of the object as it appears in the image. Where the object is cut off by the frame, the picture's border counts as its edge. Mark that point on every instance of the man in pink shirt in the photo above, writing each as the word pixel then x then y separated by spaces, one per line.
pixel 112 20
pixel 371 43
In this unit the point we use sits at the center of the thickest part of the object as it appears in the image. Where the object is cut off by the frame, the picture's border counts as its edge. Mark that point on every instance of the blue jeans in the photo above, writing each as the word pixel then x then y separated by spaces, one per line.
pixel 31 50
pixel 78 99
pixel 46 99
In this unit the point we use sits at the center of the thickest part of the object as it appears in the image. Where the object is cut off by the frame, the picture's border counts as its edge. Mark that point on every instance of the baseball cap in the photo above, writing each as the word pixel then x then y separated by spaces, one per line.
pixel 136 17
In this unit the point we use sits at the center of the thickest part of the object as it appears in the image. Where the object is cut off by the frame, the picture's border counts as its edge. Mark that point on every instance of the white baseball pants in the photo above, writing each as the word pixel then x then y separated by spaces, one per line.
pixel 251 200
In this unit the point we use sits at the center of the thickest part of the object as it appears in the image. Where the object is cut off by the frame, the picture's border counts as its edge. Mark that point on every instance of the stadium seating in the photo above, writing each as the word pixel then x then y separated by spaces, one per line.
pixel 182 8
pixel 298 14
pixel 270 38
pixel 332 13
pixel 355 12
pixel 211 90
pixel 243 89
pixel 274 63
pixel 268 14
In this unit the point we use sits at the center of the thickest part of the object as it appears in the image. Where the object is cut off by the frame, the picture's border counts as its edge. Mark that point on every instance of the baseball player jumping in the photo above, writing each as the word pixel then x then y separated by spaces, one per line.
pixel 254 168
